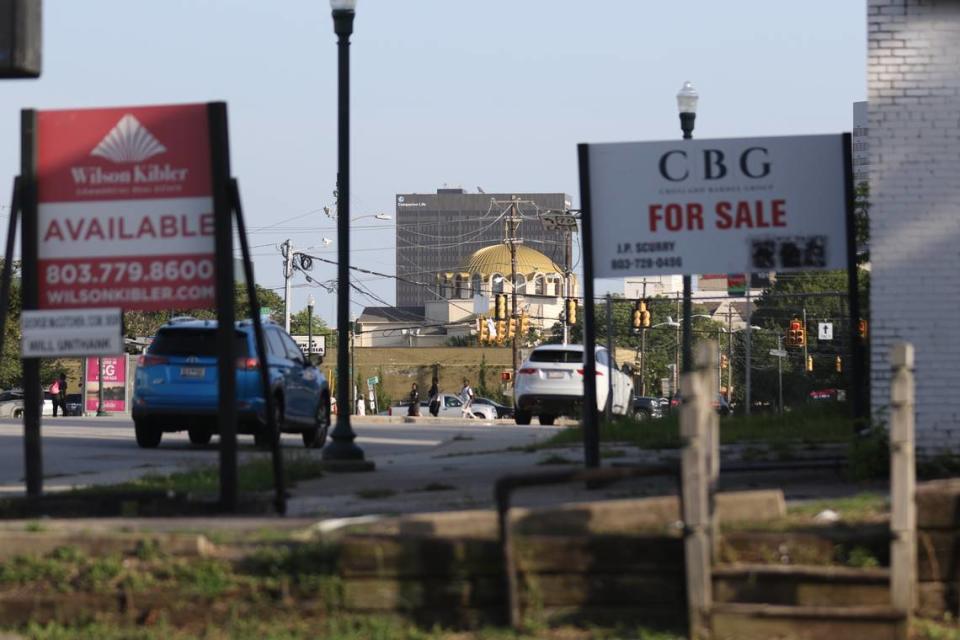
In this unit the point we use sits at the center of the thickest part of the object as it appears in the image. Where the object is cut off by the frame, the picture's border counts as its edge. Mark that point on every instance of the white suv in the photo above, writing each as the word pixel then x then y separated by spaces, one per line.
pixel 550 383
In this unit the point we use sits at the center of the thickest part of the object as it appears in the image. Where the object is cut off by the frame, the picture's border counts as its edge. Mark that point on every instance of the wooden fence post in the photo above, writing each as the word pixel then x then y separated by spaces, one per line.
pixel 707 360
pixel 903 506
pixel 694 424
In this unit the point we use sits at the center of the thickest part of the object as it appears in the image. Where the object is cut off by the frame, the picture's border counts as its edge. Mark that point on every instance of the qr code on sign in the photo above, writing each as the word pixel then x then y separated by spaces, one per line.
pixel 789 252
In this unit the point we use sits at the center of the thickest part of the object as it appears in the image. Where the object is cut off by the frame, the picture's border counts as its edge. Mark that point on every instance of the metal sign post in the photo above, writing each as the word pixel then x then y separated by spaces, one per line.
pixel 591 428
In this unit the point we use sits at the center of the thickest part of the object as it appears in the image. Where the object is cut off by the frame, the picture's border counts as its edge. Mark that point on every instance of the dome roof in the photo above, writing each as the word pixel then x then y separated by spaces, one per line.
pixel 496 259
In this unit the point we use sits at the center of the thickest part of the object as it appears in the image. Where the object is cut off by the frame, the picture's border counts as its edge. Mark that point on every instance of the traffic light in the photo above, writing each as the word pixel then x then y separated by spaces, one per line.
pixel 511 328
pixel 724 362
pixel 524 325
pixel 501 331
pixel 501 307
pixel 839 365
pixel 641 314
pixel 796 334
pixel 809 364
pixel 571 311
pixel 483 334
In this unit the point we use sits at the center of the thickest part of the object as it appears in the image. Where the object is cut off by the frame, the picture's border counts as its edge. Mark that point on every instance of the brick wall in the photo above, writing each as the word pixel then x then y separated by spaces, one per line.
pixel 913 78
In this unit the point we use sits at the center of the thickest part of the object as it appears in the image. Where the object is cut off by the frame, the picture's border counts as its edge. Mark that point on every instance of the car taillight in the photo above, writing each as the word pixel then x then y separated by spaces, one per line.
pixel 147 360
pixel 247 364
pixel 527 372
pixel 581 372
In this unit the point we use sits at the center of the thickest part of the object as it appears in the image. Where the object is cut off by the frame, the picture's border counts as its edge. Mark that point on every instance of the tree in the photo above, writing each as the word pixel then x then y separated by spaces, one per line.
pixel 662 344
pixel 787 299
pixel 146 323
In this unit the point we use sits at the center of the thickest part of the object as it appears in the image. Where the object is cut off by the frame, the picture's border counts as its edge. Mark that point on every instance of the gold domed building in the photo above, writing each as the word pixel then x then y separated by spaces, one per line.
pixel 540 283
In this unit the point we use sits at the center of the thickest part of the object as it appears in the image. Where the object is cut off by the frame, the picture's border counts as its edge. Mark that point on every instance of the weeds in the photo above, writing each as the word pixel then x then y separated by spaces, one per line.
pixel 809 425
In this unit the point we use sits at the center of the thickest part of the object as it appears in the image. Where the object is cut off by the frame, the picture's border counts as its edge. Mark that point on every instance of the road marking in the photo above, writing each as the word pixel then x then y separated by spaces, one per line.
pixel 415 443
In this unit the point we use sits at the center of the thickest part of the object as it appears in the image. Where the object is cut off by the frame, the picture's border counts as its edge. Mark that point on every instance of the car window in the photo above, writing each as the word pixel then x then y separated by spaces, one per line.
pixel 556 355
pixel 450 401
pixel 603 358
pixel 194 342
pixel 293 351
pixel 274 344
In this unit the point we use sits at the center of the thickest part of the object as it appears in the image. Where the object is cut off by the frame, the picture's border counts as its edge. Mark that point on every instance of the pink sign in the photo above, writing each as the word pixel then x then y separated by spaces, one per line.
pixel 125 208
pixel 114 384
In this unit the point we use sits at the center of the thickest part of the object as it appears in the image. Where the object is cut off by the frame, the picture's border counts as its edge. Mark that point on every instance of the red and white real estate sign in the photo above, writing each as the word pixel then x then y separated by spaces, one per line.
pixel 125 208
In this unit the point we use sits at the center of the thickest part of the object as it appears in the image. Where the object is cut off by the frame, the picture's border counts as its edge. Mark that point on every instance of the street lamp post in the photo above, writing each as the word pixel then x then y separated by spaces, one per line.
pixel 100 410
pixel 687 106
pixel 342 445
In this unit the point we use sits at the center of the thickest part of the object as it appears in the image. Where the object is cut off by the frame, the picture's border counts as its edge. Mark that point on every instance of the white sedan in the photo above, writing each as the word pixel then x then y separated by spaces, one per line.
pixel 550 383
pixel 451 406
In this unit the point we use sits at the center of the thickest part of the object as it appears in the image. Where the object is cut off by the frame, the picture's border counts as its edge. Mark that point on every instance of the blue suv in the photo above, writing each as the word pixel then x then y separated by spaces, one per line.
pixel 176 385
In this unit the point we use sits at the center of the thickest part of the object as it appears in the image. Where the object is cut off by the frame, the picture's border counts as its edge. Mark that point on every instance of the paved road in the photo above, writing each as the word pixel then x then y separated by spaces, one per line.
pixel 91 450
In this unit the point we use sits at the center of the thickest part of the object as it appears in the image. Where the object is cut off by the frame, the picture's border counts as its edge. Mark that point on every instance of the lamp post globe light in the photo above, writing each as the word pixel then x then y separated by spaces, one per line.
pixel 342 445
pixel 687 99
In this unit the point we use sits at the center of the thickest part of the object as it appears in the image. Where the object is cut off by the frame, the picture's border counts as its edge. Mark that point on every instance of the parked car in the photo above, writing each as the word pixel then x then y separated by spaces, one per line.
pixel 645 408
pixel 11 404
pixel 451 406
pixel 503 411
pixel 175 386
pixel 720 404
pixel 549 383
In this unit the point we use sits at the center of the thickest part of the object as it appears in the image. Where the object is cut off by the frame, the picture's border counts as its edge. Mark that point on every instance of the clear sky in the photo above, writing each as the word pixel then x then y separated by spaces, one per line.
pixel 492 93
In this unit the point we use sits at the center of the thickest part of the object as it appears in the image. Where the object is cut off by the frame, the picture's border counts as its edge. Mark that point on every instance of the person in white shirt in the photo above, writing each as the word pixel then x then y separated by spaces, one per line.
pixel 466 396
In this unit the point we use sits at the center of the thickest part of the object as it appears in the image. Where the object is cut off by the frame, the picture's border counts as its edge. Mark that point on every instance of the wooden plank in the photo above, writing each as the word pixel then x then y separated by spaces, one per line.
pixel 762 622
pixel 695 479
pixel 903 511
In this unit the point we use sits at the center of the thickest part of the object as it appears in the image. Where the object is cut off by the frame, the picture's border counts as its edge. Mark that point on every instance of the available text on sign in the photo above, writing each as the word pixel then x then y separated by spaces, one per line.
pixel 125 208
pixel 714 206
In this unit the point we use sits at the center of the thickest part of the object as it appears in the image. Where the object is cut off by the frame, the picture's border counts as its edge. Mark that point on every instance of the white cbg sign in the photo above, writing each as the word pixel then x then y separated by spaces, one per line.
pixel 717 206
pixel 74 332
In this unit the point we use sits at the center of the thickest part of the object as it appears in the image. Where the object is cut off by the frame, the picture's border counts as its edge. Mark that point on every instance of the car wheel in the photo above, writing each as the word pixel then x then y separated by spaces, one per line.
pixel 640 415
pixel 547 420
pixel 148 435
pixel 199 435
pixel 522 417
pixel 316 437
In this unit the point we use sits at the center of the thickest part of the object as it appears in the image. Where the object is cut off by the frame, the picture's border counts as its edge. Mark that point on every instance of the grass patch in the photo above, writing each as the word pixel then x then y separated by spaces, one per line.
pixel 340 627
pixel 861 508
pixel 808 425
pixel 922 629
pixel 555 459
pixel 375 494
pixel 254 476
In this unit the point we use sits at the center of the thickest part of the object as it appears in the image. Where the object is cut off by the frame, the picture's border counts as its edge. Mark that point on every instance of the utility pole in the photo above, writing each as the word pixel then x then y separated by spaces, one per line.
pixel 610 360
pixel 805 354
pixel 286 249
pixel 729 352
pixel 643 349
pixel 513 221
pixel 567 293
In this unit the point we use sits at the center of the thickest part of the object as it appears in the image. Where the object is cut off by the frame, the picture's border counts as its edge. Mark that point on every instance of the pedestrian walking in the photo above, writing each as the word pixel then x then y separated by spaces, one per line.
pixel 466 397
pixel 58 394
pixel 435 398
pixel 414 408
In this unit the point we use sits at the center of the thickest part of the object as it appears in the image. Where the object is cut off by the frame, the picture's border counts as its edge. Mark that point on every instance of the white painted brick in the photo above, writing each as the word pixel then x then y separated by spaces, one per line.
pixel 913 84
